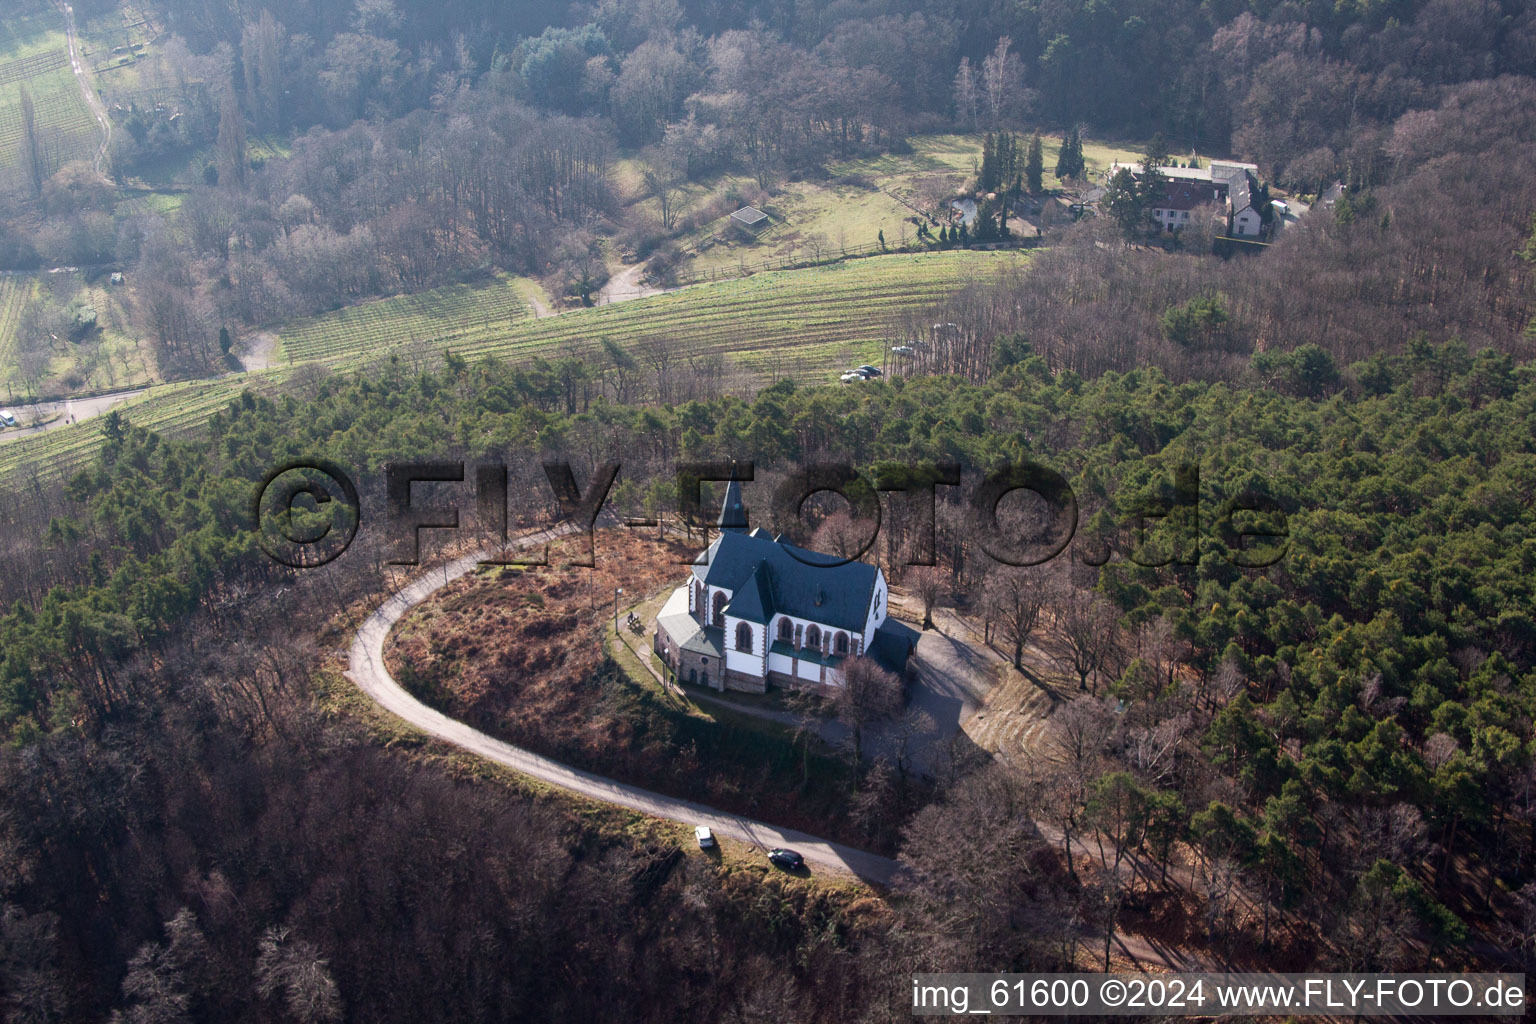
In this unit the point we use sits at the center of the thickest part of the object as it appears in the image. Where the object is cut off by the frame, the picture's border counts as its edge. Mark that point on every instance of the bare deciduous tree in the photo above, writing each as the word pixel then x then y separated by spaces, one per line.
pixel 293 969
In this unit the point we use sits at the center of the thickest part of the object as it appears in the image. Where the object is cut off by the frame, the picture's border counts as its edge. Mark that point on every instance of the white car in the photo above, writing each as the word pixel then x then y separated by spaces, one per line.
pixel 850 377
pixel 902 350
pixel 705 837
pixel 6 419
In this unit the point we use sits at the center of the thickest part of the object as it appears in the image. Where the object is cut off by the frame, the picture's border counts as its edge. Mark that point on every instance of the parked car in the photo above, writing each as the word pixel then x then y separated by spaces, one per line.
pixel 6 419
pixel 869 371
pixel 851 376
pixel 705 837
pixel 903 350
pixel 789 860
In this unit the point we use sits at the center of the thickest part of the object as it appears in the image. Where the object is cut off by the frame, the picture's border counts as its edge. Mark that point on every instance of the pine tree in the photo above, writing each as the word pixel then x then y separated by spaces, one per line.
pixel 1078 164
pixel 1069 163
pixel 988 180
pixel 1034 166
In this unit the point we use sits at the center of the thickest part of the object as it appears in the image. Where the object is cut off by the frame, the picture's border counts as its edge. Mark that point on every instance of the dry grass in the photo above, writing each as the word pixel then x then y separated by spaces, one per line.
pixel 520 654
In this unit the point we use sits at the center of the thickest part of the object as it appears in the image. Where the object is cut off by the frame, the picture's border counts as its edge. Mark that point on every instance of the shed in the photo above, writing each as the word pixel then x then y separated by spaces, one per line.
pixel 750 219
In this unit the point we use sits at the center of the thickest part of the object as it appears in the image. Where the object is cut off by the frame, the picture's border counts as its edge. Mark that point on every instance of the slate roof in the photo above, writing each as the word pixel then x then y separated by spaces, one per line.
pixel 893 645
pixel 768 576
pixel 754 601
pixel 685 629
pixel 1242 198
pixel 733 514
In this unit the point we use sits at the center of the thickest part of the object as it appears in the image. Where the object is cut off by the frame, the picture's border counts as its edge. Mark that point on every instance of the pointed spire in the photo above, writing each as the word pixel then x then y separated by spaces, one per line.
pixel 733 514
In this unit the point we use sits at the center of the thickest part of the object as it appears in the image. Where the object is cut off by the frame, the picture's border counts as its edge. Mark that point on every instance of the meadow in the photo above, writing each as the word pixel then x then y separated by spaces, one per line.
pixel 851 206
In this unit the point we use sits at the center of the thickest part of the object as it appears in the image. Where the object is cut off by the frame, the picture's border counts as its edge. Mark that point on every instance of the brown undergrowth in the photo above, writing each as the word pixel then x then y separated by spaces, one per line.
pixel 519 653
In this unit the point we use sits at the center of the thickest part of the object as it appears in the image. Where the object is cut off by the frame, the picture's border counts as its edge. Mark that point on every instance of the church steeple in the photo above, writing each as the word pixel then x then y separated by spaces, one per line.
pixel 733 514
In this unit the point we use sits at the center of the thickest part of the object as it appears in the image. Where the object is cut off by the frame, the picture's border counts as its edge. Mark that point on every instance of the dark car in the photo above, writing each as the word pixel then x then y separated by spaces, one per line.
pixel 789 860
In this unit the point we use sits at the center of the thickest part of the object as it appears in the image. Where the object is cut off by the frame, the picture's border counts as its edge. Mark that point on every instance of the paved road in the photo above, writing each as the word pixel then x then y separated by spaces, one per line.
pixel 68 411
pixel 366 669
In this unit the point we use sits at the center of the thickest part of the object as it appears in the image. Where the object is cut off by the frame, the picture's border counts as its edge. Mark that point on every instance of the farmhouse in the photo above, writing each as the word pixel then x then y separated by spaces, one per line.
pixel 1172 209
pixel 1224 183
pixel 757 609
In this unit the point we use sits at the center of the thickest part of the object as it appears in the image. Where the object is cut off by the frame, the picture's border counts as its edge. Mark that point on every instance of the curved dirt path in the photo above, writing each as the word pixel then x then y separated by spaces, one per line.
pixel 92 101
pixel 626 285
pixel 366 669
pixel 258 353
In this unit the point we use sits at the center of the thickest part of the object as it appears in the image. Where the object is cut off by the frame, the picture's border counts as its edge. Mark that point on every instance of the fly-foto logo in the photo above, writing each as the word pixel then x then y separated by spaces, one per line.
pixel 1249 530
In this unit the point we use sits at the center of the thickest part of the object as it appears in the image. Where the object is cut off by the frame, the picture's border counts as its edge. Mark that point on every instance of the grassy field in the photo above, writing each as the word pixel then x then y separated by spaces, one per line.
pixel 29 28
pixel 807 324
pixel 34 54
pixel 110 357
pixel 858 200
pixel 14 290
pixel 171 409
pixel 444 317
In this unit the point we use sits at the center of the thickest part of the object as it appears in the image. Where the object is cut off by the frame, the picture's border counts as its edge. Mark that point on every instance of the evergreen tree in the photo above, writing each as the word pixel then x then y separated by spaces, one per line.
pixel 1150 187
pixel 989 169
pixel 1125 203
pixel 1069 164
pixel 1034 166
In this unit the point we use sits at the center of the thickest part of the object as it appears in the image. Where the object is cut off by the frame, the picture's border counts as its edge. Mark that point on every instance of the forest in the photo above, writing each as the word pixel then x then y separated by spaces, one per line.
pixel 1342 738
pixel 1323 760
pixel 424 148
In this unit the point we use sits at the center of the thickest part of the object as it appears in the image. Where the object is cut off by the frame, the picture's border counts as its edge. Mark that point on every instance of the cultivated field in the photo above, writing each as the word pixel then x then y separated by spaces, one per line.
pixel 65 128
pixel 445 317
pixel 171 409
pixel 14 290
pixel 806 324
pixel 34 53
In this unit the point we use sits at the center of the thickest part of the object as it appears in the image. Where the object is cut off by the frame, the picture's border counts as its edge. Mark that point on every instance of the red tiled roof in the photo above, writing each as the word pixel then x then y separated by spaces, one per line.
pixel 1186 195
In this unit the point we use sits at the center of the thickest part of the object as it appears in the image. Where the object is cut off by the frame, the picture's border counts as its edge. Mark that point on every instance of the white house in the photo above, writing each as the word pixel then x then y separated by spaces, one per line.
pixel 757 609
pixel 1224 183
